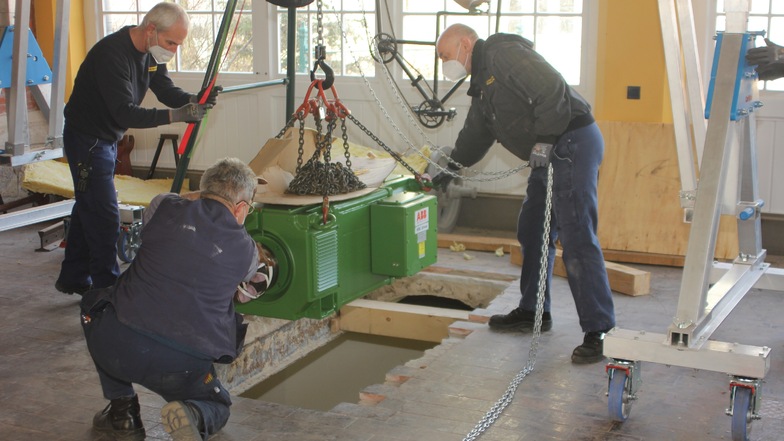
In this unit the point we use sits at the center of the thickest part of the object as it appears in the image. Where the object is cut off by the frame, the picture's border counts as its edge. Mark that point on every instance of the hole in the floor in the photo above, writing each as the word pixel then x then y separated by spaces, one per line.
pixel 436 301
pixel 336 372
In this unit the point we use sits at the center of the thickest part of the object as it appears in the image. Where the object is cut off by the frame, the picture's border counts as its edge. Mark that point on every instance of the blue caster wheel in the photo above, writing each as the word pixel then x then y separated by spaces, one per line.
pixel 741 414
pixel 619 401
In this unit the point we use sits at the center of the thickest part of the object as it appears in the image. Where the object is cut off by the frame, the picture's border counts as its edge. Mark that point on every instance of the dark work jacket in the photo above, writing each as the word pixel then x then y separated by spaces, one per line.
pixel 110 85
pixel 181 284
pixel 518 99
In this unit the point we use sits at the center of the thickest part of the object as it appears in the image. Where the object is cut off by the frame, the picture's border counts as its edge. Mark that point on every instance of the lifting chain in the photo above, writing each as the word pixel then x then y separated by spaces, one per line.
pixel 320 176
pixel 492 415
pixel 389 150
pixel 319 24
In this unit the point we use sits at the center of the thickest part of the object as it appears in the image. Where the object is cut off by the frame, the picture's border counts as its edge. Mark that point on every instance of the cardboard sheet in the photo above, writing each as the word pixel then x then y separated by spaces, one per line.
pixel 54 177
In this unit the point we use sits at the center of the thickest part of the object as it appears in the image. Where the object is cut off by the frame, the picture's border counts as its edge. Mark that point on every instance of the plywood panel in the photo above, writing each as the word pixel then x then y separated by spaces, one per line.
pixel 639 186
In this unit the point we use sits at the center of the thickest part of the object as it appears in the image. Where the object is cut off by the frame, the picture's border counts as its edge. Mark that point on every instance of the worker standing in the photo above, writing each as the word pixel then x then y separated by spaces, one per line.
pixel 170 316
pixel 521 101
pixel 109 86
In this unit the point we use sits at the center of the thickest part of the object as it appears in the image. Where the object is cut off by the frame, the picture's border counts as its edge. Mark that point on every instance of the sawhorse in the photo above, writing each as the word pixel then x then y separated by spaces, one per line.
pixel 164 137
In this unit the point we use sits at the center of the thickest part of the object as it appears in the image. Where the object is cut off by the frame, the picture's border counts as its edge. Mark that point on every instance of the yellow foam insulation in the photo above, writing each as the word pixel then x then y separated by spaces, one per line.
pixel 54 177
pixel 415 160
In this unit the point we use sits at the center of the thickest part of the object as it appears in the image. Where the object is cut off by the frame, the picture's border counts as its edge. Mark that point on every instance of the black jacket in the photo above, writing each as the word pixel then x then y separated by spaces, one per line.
pixel 110 85
pixel 518 99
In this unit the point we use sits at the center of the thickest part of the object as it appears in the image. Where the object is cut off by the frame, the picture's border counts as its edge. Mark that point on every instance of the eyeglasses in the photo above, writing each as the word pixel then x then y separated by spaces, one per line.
pixel 251 208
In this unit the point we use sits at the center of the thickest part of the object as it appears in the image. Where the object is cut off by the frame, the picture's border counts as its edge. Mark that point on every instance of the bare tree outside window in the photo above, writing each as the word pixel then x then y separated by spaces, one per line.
pixel 205 16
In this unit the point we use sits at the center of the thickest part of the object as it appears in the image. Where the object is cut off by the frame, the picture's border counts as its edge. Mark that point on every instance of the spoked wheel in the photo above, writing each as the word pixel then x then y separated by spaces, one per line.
pixel 741 414
pixel 128 244
pixel 448 202
pixel 619 401
pixel 383 48
pixel 425 113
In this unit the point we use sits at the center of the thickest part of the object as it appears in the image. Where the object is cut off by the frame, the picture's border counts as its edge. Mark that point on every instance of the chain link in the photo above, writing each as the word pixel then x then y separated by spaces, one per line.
pixel 346 153
pixel 492 415
pixel 319 25
pixel 289 124
pixel 301 146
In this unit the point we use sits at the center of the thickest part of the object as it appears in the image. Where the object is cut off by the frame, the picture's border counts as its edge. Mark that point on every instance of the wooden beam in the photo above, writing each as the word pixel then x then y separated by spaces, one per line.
pixel 477 243
pixel 415 322
pixel 623 279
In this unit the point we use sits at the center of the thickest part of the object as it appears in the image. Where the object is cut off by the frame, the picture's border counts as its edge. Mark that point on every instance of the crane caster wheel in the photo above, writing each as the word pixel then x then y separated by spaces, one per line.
pixel 619 400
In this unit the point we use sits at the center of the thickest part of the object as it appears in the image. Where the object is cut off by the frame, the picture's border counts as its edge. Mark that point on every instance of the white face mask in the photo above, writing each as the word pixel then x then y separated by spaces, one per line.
pixel 453 69
pixel 159 54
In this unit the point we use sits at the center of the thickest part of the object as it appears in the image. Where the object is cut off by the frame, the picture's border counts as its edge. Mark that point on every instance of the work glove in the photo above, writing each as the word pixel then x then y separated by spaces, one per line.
pixel 441 180
pixel 769 60
pixel 189 113
pixel 540 155
pixel 212 98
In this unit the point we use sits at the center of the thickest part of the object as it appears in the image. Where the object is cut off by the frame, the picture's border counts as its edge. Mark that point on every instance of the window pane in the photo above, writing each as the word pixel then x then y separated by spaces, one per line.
pixel 119 5
pixel 760 6
pixel 559 40
pixel 721 23
pixel 113 22
pixel 777 7
pixel 776 31
pixel 432 6
pixel 421 57
pixel 523 25
pixel 515 6
pixel 202 5
pixel 194 54
pixel 302 46
pixel 146 5
pixel 560 6
pixel 358 5
pixel 357 50
pixel 239 57
pixel 757 23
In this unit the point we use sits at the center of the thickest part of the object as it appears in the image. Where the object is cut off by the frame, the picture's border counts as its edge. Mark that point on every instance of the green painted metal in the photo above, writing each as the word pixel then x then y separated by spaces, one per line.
pixel 321 267
pixel 403 243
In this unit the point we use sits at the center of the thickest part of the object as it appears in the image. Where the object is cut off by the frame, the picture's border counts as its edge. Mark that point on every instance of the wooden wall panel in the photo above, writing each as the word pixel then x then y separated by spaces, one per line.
pixel 639 186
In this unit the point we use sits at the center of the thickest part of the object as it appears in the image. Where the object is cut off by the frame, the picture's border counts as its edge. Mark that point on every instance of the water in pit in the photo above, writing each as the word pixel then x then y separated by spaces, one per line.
pixel 336 372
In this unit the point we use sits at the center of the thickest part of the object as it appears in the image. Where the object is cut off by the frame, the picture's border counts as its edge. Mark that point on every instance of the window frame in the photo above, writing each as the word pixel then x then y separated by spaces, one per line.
pixel 264 60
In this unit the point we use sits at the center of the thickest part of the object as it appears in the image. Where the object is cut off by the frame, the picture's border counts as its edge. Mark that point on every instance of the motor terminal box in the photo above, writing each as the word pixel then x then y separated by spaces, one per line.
pixel 403 234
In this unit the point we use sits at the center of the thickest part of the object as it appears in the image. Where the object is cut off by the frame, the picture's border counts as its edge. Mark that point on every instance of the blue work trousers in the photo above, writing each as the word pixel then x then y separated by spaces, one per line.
pixel 574 214
pixel 91 245
pixel 123 356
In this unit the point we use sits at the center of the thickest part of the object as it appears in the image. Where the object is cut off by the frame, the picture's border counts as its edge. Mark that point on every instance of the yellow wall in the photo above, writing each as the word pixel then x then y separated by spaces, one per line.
pixel 630 53
pixel 45 16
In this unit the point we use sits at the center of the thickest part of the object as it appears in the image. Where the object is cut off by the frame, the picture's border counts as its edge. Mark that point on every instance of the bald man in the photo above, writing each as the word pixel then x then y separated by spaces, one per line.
pixel 111 83
pixel 519 100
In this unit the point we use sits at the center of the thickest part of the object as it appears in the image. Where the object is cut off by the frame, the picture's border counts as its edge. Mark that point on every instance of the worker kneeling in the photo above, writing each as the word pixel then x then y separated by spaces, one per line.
pixel 171 315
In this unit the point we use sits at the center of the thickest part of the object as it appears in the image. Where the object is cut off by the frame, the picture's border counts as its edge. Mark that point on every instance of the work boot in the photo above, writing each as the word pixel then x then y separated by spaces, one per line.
pixel 182 421
pixel 121 419
pixel 520 320
pixel 69 289
pixel 592 349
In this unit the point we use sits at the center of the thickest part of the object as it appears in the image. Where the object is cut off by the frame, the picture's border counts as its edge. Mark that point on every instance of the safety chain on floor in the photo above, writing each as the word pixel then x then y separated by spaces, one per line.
pixel 492 415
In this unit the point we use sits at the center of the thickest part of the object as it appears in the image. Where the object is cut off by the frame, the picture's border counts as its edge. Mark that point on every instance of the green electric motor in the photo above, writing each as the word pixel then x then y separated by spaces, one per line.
pixel 366 243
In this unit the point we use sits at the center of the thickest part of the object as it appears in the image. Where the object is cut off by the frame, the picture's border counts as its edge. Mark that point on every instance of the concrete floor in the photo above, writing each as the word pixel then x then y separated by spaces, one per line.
pixel 49 389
